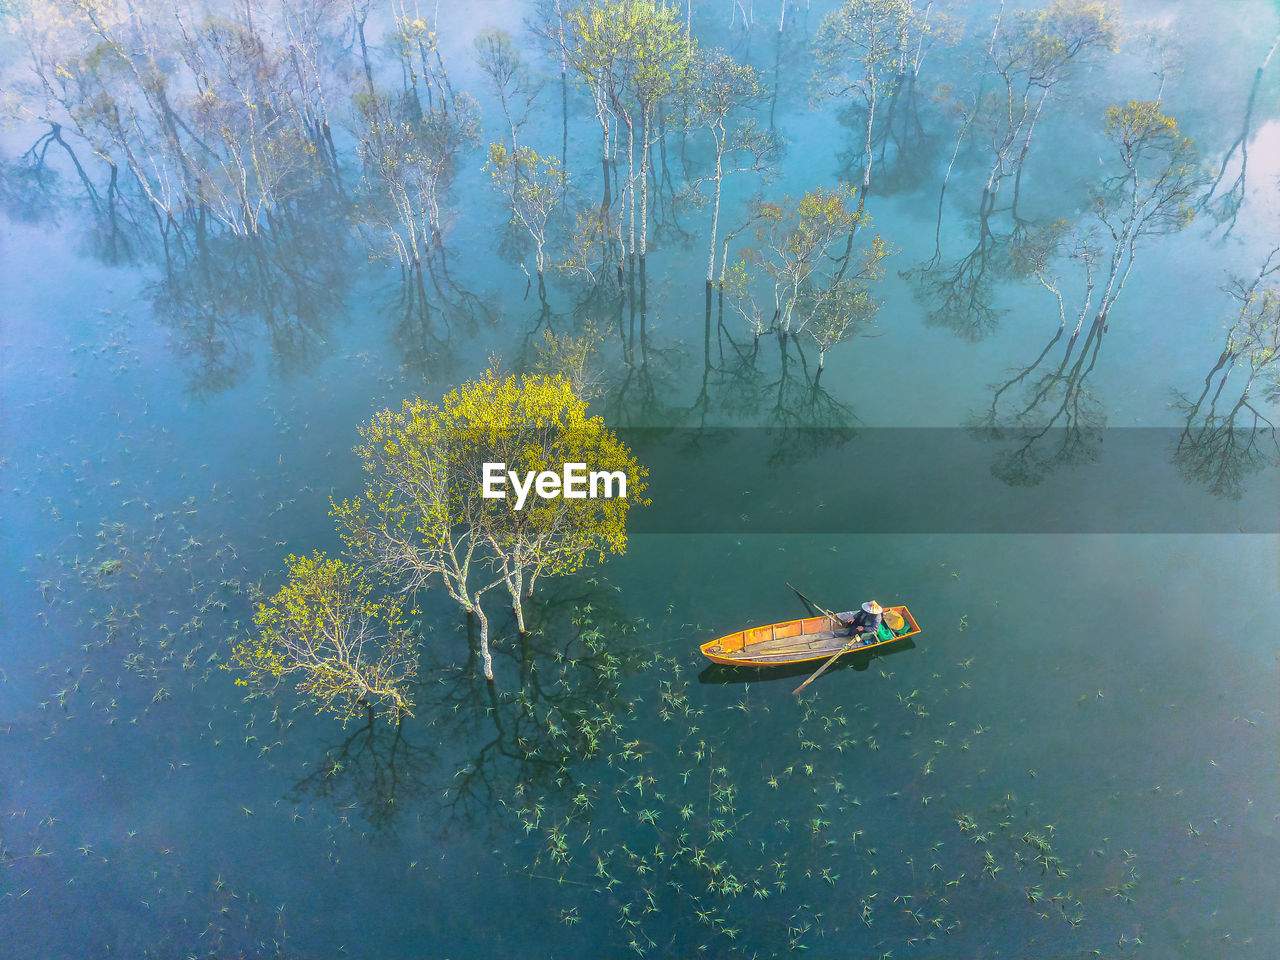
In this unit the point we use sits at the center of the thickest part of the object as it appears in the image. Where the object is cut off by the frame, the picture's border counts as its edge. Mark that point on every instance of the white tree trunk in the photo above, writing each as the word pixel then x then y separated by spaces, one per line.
pixel 631 190
pixel 644 188
pixel 485 656
pixel 715 216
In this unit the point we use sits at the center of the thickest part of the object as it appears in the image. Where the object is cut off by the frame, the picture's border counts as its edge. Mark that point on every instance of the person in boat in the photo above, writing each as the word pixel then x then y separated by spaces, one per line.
pixel 866 622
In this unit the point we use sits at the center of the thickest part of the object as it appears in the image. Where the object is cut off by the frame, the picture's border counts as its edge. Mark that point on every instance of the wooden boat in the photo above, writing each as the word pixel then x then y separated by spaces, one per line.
pixel 795 641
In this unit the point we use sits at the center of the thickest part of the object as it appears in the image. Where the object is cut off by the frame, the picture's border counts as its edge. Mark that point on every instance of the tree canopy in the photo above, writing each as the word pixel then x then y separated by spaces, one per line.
pixel 423 515
pixel 347 649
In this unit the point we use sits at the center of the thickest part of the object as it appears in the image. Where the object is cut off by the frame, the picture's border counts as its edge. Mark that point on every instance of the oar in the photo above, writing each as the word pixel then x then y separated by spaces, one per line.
pixel 842 650
pixel 817 673
pixel 815 606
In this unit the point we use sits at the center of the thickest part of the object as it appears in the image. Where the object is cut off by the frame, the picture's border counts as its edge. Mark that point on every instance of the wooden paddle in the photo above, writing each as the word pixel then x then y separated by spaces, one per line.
pixel 815 606
pixel 842 650
pixel 817 673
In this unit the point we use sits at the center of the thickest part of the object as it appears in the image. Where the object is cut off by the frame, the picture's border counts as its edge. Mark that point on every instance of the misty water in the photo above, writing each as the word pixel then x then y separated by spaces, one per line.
pixel 1076 756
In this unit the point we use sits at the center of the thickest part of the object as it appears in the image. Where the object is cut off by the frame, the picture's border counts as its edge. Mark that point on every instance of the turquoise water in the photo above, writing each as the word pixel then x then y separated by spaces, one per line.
pixel 1105 702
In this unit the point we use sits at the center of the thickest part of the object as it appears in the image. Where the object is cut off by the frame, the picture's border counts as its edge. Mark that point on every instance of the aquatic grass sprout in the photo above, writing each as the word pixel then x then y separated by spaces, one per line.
pixel 683 844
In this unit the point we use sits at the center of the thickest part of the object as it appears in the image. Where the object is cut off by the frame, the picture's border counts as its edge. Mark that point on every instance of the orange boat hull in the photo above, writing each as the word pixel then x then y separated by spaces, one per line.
pixel 795 641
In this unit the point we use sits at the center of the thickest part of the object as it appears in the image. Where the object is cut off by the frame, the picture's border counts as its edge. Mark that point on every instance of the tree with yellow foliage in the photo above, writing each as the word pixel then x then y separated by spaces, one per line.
pixel 631 55
pixel 346 650
pixel 814 281
pixel 1152 190
pixel 860 55
pixel 423 515
pixel 534 188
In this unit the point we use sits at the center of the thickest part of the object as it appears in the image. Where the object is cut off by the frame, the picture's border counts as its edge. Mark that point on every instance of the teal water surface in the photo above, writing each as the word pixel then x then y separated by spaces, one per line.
pixel 1076 757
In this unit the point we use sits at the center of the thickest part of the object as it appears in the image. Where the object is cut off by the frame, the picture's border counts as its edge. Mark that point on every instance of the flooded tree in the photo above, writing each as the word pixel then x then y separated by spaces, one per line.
pixel 509 78
pixel 589 249
pixel 631 55
pixel 1153 192
pixel 721 87
pixel 576 359
pixel 415 522
pixel 548 24
pixel 325 631
pixel 214 118
pixel 1228 436
pixel 799 251
pixel 534 189
pixel 1030 55
pixel 220 162
pixel 431 510
pixel 861 53
pixel 410 145
pixel 480 742
pixel 838 311
pixel 536 425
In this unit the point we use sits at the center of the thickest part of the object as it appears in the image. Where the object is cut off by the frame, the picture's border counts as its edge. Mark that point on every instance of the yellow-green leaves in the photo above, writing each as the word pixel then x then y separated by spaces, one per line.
pixel 1162 176
pixel 631 53
pixel 1140 123
pixel 423 517
pixel 538 423
pixel 1045 42
pixel 858 46
pixel 573 358
pixel 533 186
pixel 324 628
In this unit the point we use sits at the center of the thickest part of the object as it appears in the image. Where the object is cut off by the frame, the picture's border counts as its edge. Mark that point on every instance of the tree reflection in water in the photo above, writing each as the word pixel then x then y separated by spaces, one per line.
pixel 471 742
pixel 1156 181
pixel 1224 206
pixel 1227 439
pixel 1028 55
